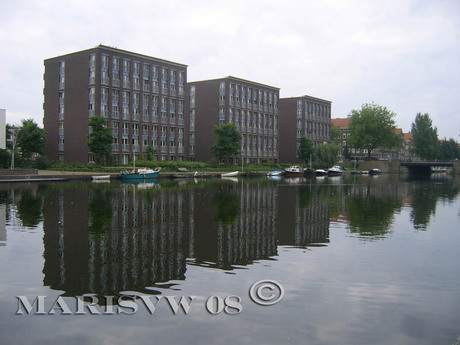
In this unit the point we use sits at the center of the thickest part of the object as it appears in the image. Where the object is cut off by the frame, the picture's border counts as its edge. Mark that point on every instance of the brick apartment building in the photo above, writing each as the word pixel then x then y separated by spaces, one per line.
pixel 251 106
pixel 302 116
pixel 142 98
pixel 403 153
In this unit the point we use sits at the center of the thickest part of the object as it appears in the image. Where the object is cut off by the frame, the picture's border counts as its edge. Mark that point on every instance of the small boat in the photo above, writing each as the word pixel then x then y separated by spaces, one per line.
pixel 438 170
pixel 294 171
pixel 308 171
pixel 275 173
pixel 320 172
pixel 196 174
pixel 335 170
pixel 140 174
pixel 230 174
pixel 374 171
pixel 100 177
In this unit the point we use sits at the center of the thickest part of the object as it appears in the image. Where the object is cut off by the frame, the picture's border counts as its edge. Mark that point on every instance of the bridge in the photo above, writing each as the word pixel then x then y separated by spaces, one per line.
pixel 424 167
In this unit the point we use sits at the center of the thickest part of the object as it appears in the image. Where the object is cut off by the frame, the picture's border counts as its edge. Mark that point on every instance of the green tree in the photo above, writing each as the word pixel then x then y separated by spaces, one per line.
pixel 425 141
pixel 305 149
pixel 346 152
pixel 449 150
pixel 373 127
pixel 100 139
pixel 5 159
pixel 30 138
pixel 336 134
pixel 327 154
pixel 150 152
pixel 227 142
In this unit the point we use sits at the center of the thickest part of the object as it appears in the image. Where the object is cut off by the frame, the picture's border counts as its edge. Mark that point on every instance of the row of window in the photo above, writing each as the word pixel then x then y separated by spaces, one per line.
pixel 251 119
pixel 126 103
pixel 247 95
pixel 313 128
pixel 314 111
pixel 255 142
pixel 137 75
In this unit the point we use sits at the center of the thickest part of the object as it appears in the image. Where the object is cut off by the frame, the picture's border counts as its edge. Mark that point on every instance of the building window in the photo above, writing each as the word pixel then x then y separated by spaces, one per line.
pixel 92 69
pixel 126 73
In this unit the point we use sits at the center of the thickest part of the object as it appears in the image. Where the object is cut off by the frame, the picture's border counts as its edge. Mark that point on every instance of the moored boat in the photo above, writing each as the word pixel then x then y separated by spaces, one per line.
pixel 140 174
pixel 100 177
pixel 308 171
pixel 335 170
pixel 230 174
pixel 294 171
pixel 275 173
pixel 374 171
pixel 320 172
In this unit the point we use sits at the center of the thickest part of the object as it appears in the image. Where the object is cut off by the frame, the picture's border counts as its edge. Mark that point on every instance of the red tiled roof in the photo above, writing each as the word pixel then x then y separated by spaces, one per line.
pixel 341 122
pixel 407 136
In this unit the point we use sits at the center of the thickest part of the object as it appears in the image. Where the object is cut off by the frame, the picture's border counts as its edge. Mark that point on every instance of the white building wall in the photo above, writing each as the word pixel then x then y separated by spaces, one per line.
pixel 2 129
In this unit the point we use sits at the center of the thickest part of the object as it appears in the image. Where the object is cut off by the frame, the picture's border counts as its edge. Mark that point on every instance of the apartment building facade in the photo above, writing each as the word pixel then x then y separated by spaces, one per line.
pixel 302 116
pixel 403 153
pixel 251 106
pixel 143 99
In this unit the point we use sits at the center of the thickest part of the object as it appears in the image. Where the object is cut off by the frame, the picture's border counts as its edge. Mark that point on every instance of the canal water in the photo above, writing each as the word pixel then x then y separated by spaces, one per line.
pixel 339 260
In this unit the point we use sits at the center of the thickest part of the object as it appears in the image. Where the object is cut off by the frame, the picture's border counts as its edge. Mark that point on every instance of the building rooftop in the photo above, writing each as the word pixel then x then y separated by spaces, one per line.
pixel 340 122
pixel 121 51
pixel 241 80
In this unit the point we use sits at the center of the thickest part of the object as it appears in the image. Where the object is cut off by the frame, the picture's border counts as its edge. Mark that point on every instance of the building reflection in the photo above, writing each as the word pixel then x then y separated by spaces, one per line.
pixel 143 240
pixel 303 216
pixel 235 224
pixel 107 239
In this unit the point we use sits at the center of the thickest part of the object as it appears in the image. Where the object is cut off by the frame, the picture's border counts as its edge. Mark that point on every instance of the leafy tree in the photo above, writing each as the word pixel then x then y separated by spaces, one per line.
pixel 373 127
pixel 424 137
pixel 346 152
pixel 30 138
pixel 327 154
pixel 336 134
pixel 227 142
pixel 150 152
pixel 449 150
pixel 306 149
pixel 5 159
pixel 100 139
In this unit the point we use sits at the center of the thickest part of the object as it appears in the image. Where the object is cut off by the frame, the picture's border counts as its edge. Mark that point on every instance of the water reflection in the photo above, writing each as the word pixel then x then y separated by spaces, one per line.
pixel 108 238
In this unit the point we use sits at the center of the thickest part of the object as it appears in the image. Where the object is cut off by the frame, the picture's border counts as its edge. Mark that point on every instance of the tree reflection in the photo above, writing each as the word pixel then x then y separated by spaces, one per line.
pixel 424 198
pixel 29 209
pixel 371 215
pixel 226 206
pixel 100 212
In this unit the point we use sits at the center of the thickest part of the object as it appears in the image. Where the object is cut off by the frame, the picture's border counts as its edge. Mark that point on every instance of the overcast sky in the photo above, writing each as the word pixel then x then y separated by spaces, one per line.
pixel 401 54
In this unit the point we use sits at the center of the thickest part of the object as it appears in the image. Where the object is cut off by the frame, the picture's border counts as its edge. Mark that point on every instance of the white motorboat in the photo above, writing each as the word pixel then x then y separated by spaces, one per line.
pixel 294 171
pixel 335 170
